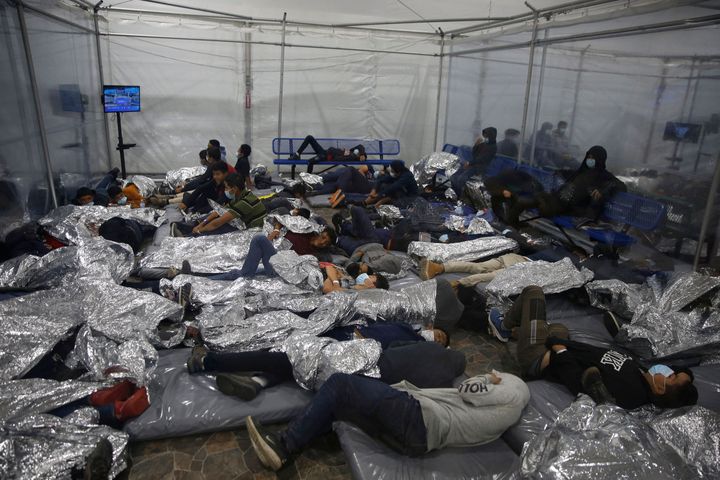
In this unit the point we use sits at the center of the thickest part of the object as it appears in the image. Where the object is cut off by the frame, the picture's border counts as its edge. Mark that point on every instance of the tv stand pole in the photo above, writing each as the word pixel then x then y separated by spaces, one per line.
pixel 121 147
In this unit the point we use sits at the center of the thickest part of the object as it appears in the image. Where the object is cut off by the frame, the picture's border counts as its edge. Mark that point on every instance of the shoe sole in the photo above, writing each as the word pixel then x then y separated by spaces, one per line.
pixel 496 332
pixel 267 455
pixel 236 388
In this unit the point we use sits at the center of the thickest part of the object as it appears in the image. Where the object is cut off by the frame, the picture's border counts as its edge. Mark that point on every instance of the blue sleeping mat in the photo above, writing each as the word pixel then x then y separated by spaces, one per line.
pixel 184 404
pixel 371 459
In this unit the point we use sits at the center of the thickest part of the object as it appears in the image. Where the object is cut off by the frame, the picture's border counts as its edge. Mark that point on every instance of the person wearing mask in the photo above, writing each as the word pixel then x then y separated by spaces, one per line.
pixel 584 193
pixel 242 166
pixel 409 419
pixel 483 153
pixel 332 154
pixel 129 195
pixel 397 186
pixel 509 144
pixel 607 376
pixel 374 257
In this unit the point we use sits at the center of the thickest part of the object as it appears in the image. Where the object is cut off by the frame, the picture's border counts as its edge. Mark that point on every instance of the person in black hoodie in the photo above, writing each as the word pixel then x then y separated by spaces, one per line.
pixel 483 153
pixel 397 186
pixel 608 376
pixel 584 193
pixel 242 166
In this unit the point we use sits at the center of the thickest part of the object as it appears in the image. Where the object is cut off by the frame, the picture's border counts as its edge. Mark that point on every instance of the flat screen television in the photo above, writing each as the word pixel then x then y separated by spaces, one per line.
pixel 121 98
pixel 682 132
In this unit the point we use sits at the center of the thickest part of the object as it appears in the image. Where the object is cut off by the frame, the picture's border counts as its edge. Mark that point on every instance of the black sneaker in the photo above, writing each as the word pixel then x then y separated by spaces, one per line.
pixel 238 385
pixel 185 269
pixel 99 463
pixel 612 323
pixel 267 446
pixel 294 156
pixel 337 221
pixel 196 362
pixel 593 385
pixel 185 296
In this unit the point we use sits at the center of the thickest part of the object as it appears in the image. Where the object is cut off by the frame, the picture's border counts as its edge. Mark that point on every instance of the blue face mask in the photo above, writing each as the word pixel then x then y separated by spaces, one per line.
pixel 590 162
pixel 360 280
pixel 230 195
pixel 663 370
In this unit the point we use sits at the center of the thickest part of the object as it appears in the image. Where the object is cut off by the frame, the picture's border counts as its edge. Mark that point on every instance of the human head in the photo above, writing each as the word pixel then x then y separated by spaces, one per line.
pixel 397 167
pixel 674 391
pixel 300 212
pixel 355 269
pixel 489 133
pixel 324 239
pixel 118 230
pixel 233 183
pixel 511 133
pixel 84 196
pixel 219 172
pixel 213 143
pixel 203 157
pixel 114 193
pixel 562 126
pixel 213 154
pixel 546 126
pixel 244 150
pixel 361 153
pixel 599 154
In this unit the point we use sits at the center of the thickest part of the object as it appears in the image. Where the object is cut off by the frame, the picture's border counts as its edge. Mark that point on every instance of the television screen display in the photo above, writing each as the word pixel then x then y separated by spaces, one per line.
pixel 121 98
pixel 682 132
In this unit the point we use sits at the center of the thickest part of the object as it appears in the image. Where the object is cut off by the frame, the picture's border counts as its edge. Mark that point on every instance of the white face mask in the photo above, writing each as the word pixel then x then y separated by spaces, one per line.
pixel 356 152
pixel 664 370
pixel 428 335
pixel 393 174
pixel 122 201
pixel 590 162
pixel 360 280
pixel 89 204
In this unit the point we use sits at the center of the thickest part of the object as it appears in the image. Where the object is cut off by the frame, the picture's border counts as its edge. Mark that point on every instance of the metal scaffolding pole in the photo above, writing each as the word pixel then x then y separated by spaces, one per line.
pixel 439 91
pixel 685 102
pixel 101 72
pixel 282 78
pixel 248 87
pixel 541 80
pixel 709 204
pixel 36 101
pixel 577 93
pixel 528 84
pixel 447 95
pixel 656 107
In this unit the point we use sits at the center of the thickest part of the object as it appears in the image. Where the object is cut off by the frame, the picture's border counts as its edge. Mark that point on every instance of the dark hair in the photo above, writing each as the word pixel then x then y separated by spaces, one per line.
pixel 331 232
pixel 119 230
pixel 676 397
pixel 113 191
pixel 511 131
pixel 245 149
pixel 203 154
pixel 561 124
pixel 219 167
pixel 447 336
pixel 381 282
pixel 84 192
pixel 490 132
pixel 370 271
pixel 398 166
pixel 353 269
pixel 214 143
pixel 214 153
pixel 303 212
pixel 234 180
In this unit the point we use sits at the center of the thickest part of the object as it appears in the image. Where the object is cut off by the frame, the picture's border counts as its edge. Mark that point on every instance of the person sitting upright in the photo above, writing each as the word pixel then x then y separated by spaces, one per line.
pixel 483 153
pixel 509 144
pixel 212 190
pixel 332 154
pixel 397 186
pixel 242 166
pixel 584 193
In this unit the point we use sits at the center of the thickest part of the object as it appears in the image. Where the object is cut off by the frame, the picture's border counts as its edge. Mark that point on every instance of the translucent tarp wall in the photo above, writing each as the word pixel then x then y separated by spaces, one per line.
pixel 617 92
pixel 194 90
pixel 66 69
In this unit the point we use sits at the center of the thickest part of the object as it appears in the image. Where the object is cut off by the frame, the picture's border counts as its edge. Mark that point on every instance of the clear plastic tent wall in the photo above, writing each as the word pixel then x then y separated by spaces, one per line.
pixel 619 90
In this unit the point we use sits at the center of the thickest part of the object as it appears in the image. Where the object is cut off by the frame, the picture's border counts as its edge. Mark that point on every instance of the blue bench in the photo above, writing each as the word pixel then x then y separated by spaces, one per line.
pixel 376 151
pixel 549 180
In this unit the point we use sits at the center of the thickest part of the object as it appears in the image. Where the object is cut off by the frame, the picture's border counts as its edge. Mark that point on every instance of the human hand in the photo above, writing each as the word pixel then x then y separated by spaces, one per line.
pixel 596 195
pixel 494 379
pixel 178 189
pixel 183 206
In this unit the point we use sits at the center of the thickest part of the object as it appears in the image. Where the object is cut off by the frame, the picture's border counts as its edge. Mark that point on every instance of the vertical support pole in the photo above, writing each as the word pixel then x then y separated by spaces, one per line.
pixel 121 146
pixel 573 116
pixel 688 117
pixel 541 80
pixel 708 212
pixel 248 88
pixel 439 90
pixel 282 78
pixel 528 84
pixel 38 105
pixel 656 107
pixel 101 72
pixel 447 96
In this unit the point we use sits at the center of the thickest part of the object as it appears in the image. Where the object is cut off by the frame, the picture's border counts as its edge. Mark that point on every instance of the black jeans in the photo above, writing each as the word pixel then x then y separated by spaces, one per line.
pixel 273 366
pixel 379 409
pixel 320 152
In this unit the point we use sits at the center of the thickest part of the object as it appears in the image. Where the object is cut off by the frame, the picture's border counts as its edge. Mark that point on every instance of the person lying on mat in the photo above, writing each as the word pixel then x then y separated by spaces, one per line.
pixel 585 192
pixel 373 257
pixel 335 281
pixel 346 180
pixel 332 154
pixel 608 376
pixel 409 419
pixel 421 357
pixel 242 205
pixel 130 195
pixel 479 271
pixel 397 186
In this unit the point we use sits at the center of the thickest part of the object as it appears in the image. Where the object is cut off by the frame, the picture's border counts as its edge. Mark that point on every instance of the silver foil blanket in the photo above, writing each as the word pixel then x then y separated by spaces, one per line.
pixel 293 223
pixel 414 304
pixel 598 442
pixel 462 251
pixel 210 254
pixel 40 447
pixel 450 194
pixel 425 169
pixel 146 185
pixel 99 260
pixel 300 270
pixel 227 327
pixel 74 225
pixel 315 359
pixel 475 225
pixel 617 296
pixel 389 212
pixel 553 277
pixel 683 289
pixel 476 193
pixel 39 395
pixel 258 170
pixel 175 178
pixel 311 181
pixel 220 210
